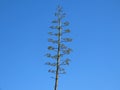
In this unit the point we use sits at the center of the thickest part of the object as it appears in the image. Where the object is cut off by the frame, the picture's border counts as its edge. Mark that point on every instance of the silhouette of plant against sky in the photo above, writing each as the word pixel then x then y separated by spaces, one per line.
pixel 58 45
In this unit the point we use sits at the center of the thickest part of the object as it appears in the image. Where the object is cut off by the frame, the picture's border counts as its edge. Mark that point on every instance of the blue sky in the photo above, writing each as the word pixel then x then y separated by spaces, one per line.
pixel 95 29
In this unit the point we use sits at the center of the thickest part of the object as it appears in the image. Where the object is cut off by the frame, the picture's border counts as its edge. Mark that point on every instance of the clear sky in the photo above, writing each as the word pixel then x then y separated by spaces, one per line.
pixel 95 29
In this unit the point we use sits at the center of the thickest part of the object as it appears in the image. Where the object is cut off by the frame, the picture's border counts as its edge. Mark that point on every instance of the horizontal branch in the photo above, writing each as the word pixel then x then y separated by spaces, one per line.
pixel 54 34
pixel 65 62
pixel 52 71
pixel 66 40
pixel 52 48
pixel 52 40
pixel 50 64
pixel 51 56
pixel 67 51
pixel 56 27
